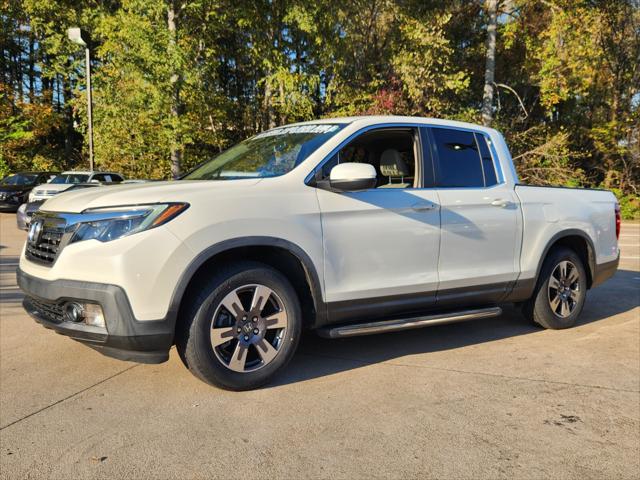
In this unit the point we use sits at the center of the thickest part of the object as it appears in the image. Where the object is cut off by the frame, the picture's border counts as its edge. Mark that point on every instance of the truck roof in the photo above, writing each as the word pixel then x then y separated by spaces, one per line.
pixel 366 120
pixel 85 172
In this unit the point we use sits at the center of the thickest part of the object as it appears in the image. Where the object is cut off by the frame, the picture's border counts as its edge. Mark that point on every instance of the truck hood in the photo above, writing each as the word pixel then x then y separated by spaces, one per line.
pixel 77 201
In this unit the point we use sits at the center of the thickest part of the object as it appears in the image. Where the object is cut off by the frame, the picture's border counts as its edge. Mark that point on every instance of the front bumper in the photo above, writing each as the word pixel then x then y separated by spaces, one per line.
pixel 126 338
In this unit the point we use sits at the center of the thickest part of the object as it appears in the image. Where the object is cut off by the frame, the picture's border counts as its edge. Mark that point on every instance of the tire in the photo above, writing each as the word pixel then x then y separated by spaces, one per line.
pixel 566 293
pixel 244 348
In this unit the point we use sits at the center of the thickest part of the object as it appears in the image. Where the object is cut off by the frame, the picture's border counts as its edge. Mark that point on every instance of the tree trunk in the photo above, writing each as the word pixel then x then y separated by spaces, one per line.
pixel 32 72
pixel 176 148
pixel 47 84
pixel 267 106
pixel 282 119
pixel 490 64
pixel 69 135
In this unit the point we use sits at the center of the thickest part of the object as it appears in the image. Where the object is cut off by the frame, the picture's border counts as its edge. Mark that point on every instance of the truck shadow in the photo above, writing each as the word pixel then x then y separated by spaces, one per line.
pixel 318 357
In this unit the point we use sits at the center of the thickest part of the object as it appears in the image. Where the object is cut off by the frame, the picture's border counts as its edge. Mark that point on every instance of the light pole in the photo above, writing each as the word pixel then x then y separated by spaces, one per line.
pixel 80 37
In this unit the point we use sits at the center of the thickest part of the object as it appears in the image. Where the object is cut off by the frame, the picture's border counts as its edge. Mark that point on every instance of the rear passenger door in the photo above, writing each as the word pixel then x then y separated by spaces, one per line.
pixel 480 218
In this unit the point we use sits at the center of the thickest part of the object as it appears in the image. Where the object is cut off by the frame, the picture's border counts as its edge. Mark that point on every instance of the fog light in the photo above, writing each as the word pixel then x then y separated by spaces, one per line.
pixel 88 313
pixel 93 315
pixel 73 312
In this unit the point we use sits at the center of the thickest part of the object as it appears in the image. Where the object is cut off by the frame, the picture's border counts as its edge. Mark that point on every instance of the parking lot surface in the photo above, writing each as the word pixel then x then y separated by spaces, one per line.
pixel 495 398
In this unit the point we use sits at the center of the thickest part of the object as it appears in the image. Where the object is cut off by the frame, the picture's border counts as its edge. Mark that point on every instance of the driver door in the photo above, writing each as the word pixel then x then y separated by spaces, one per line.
pixel 381 245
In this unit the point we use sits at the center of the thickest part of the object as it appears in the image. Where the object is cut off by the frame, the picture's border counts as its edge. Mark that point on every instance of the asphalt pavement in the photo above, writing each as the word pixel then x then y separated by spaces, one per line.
pixel 495 398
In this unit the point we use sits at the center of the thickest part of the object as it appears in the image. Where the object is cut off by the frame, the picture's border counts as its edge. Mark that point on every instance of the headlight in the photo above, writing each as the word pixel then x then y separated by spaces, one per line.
pixel 106 224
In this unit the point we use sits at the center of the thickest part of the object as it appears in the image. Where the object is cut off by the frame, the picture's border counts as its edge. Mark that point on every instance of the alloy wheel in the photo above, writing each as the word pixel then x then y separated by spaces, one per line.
pixel 564 289
pixel 248 328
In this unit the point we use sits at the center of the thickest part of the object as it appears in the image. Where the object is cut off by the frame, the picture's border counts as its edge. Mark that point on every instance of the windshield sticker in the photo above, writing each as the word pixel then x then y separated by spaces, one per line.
pixel 299 129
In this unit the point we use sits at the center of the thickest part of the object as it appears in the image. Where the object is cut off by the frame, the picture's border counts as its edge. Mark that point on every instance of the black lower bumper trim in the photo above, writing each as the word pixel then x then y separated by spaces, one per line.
pixel 604 271
pixel 125 338
pixel 132 355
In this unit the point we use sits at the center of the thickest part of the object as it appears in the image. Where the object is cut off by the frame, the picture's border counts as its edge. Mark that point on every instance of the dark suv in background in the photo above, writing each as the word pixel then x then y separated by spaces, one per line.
pixel 14 189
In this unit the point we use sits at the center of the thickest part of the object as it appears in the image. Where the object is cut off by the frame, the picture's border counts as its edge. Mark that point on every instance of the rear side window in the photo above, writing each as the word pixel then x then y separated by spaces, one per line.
pixel 462 159
pixel 458 161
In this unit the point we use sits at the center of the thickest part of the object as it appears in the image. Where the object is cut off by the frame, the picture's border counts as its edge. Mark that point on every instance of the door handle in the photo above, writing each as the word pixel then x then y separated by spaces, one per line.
pixel 500 202
pixel 424 206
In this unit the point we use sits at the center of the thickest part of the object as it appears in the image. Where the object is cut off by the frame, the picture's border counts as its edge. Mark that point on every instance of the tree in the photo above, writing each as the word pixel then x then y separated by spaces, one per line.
pixel 490 63
pixel 177 81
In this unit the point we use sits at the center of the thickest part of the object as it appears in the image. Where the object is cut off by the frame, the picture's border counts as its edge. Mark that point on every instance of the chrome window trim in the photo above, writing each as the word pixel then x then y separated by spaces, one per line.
pixel 494 154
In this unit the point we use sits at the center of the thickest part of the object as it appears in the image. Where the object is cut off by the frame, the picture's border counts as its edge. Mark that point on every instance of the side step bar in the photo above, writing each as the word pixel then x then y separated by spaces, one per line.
pixel 384 326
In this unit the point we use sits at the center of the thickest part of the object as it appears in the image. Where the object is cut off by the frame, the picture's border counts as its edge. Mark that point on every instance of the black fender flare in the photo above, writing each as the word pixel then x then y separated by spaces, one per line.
pixel 251 241
pixel 572 232
pixel 523 288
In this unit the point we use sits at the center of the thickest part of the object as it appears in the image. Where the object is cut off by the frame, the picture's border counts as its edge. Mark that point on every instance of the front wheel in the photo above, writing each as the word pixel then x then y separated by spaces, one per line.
pixel 560 292
pixel 242 328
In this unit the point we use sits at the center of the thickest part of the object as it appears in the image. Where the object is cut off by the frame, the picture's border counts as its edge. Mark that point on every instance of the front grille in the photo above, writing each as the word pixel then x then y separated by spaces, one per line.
pixel 44 247
pixel 49 311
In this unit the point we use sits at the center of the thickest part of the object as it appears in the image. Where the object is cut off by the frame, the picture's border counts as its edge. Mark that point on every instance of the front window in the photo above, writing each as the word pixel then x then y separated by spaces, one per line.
pixel 269 154
pixel 391 151
pixel 20 179
pixel 70 178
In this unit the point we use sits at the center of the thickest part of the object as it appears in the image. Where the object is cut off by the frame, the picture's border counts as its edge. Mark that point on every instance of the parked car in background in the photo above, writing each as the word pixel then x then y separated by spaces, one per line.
pixel 26 210
pixel 14 189
pixel 65 180
pixel 349 226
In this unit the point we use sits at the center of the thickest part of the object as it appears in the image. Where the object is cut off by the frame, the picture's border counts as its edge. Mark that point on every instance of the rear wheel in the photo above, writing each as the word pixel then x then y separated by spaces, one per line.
pixel 560 292
pixel 242 328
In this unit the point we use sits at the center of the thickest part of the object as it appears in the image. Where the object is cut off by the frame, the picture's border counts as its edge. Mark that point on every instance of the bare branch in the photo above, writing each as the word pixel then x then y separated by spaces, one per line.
pixel 507 87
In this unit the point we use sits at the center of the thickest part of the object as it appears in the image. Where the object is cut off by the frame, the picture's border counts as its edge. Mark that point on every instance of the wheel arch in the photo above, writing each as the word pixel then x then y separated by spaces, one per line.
pixel 283 255
pixel 578 241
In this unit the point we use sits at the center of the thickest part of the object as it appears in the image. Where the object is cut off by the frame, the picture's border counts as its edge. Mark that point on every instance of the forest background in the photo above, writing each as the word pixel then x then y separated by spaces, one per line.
pixel 177 81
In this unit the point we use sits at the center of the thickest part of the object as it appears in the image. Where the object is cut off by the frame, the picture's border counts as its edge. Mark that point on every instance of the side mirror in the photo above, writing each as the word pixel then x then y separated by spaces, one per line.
pixel 350 177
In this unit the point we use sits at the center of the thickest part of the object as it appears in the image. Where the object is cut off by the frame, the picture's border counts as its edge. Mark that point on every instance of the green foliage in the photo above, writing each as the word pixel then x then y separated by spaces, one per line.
pixel 23 128
pixel 567 78
pixel 550 162
pixel 629 204
pixel 425 66
pixel 132 96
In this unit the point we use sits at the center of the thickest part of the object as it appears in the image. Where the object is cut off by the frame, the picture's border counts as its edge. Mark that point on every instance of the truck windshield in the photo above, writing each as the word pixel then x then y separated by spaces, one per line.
pixel 269 154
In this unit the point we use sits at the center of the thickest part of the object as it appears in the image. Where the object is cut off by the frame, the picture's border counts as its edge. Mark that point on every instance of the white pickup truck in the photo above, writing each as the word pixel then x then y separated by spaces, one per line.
pixel 347 226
